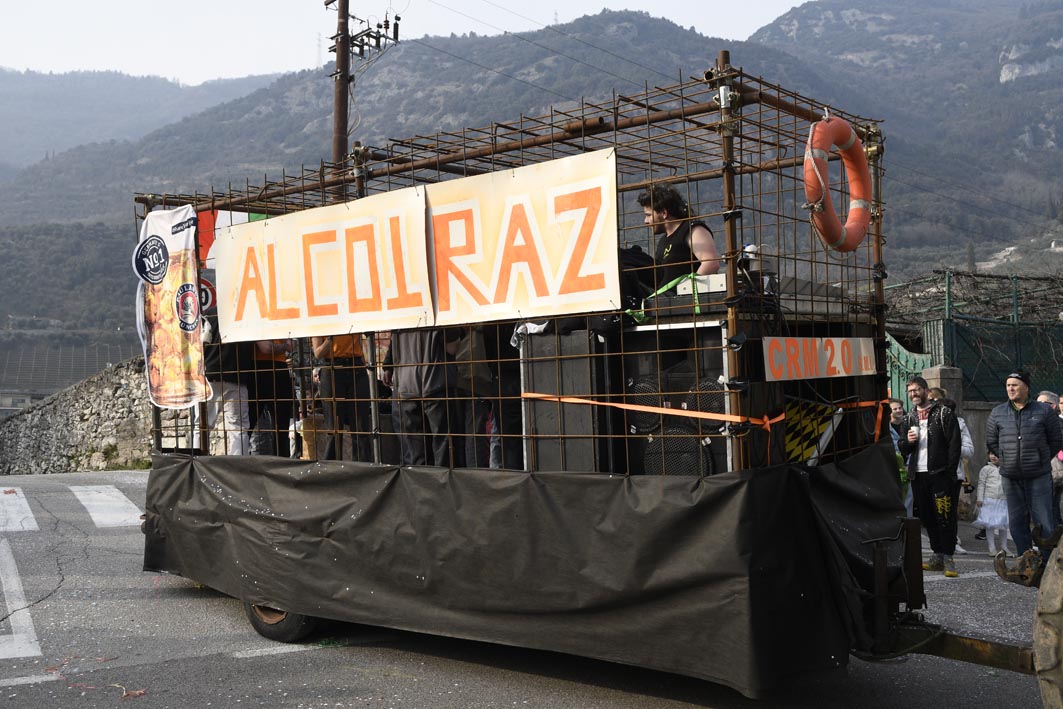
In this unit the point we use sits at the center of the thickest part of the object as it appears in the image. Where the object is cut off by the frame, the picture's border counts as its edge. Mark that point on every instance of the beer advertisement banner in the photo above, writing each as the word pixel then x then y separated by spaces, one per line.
pixel 354 267
pixel 538 241
pixel 168 309
pixel 534 242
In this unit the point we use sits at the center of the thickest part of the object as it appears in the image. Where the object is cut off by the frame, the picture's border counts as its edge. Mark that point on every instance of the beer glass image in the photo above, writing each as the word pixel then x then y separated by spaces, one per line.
pixel 174 353
pixel 168 313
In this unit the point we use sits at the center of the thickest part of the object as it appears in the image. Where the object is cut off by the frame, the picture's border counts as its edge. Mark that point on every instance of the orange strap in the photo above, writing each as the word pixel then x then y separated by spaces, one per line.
pixel 764 422
pixel 865 404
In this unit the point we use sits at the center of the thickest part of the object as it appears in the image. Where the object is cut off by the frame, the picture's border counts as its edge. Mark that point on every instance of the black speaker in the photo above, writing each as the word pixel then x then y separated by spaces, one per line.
pixel 572 437
pixel 707 396
pixel 644 392
pixel 678 450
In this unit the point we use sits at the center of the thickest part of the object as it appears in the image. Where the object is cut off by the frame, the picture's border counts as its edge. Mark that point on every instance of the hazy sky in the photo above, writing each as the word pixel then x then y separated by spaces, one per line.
pixel 208 39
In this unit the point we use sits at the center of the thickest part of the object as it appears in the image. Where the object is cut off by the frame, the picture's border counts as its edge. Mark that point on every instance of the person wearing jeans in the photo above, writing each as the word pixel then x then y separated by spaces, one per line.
pixel 1025 435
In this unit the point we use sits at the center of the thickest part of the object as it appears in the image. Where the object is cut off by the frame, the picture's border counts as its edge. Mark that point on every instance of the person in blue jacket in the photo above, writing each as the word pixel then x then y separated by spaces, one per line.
pixel 1025 435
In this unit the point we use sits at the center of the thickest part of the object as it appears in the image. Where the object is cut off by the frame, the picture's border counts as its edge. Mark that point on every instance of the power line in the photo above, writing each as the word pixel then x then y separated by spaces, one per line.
pixel 901 166
pixel 966 188
pixel 492 69
pixel 576 39
pixel 536 44
pixel 962 202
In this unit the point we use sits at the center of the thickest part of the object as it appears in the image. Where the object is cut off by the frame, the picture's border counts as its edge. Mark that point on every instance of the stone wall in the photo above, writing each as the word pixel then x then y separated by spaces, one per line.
pixel 101 423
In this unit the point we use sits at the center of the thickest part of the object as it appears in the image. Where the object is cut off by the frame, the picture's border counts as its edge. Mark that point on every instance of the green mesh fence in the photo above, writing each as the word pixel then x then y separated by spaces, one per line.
pixel 988 351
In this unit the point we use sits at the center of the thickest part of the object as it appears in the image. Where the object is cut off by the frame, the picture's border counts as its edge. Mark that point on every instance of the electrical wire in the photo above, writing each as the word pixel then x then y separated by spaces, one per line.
pixel 900 165
pixel 540 46
pixel 970 205
pixel 493 70
pixel 961 186
pixel 577 39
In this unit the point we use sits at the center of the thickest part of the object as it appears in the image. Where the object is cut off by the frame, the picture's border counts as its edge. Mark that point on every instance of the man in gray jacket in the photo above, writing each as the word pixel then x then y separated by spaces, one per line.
pixel 1025 435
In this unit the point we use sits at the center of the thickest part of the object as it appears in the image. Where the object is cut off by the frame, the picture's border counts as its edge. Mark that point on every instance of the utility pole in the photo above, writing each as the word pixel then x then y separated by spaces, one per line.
pixel 344 45
pixel 365 41
pixel 341 84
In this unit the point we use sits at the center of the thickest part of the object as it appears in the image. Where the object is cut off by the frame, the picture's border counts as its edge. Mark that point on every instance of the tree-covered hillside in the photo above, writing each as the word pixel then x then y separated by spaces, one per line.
pixel 417 88
pixel 967 92
pixel 971 96
pixel 73 282
pixel 45 114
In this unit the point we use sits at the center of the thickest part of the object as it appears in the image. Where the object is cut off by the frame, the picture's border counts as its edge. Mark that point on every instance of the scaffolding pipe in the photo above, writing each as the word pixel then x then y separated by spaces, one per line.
pixel 397 165
pixel 732 247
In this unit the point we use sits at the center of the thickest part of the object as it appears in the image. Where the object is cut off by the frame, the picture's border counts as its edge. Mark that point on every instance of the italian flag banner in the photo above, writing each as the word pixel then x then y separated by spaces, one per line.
pixel 210 222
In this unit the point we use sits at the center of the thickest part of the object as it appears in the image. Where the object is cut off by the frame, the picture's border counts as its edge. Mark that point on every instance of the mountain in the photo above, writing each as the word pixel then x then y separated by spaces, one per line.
pixel 970 95
pixel 416 88
pixel 96 106
pixel 966 90
pixel 68 282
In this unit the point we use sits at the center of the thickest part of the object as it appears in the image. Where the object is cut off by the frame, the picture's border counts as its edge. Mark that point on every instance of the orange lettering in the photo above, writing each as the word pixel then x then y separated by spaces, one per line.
pixel 251 281
pixel 405 299
pixel 276 313
pixel 514 253
pixel 314 310
pixel 810 358
pixel 775 349
pixel 445 254
pixel 590 201
pixel 847 357
pixel 353 235
pixel 793 359
pixel 828 347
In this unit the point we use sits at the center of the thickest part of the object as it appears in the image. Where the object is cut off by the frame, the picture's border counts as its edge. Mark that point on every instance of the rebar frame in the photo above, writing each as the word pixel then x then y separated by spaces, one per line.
pixel 732 144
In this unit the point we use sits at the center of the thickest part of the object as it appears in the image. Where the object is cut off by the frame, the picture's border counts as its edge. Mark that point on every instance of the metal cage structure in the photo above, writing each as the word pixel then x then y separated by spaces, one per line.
pixel 678 383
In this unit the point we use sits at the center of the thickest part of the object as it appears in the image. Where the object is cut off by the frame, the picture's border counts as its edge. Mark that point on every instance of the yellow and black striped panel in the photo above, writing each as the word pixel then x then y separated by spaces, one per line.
pixel 805 423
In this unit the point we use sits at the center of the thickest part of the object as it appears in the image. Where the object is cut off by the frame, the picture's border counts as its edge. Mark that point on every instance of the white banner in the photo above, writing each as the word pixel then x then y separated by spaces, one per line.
pixel 354 267
pixel 534 242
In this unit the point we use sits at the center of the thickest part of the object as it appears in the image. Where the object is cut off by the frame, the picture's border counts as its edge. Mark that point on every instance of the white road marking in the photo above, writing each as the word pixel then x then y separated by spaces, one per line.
pixel 282 650
pixel 22 642
pixel 332 643
pixel 15 513
pixel 963 575
pixel 31 679
pixel 107 506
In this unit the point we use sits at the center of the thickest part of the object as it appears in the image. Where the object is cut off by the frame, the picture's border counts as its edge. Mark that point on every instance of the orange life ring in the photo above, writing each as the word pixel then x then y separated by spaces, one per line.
pixel 829 132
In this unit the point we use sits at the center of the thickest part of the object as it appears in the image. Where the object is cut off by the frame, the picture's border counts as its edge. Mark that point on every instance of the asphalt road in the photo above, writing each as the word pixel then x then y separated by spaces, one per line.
pixel 83 626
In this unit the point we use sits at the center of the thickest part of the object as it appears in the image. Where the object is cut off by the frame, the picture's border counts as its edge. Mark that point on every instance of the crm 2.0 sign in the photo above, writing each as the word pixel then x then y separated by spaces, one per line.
pixel 787 358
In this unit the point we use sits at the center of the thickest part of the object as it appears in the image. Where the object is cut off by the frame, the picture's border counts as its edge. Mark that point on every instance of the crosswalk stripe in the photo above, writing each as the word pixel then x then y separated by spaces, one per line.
pixel 15 513
pixel 107 505
pixel 29 679
pixel 22 642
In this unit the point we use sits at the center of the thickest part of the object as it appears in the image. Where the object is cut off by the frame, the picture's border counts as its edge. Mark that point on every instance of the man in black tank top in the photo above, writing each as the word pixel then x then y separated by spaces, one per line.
pixel 682 246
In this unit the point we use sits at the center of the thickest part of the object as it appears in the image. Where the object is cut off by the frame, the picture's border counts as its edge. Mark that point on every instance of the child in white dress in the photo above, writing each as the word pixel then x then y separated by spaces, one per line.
pixel 992 506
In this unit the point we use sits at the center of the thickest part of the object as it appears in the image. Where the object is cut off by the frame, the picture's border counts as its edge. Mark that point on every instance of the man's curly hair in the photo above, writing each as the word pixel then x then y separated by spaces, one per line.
pixel 665 198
